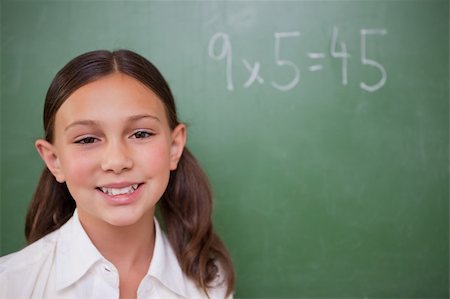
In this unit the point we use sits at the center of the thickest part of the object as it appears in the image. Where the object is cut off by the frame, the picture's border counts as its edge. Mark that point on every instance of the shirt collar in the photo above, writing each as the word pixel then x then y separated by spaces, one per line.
pixel 76 254
pixel 165 266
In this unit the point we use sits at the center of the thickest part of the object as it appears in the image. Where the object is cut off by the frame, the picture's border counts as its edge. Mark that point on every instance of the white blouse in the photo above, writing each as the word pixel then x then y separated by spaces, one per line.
pixel 65 264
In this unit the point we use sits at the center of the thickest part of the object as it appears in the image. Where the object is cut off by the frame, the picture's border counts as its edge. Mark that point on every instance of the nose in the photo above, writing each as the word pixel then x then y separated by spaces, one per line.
pixel 116 158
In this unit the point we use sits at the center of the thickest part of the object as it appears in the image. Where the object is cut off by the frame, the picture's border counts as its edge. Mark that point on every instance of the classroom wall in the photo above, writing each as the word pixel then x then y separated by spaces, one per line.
pixel 323 126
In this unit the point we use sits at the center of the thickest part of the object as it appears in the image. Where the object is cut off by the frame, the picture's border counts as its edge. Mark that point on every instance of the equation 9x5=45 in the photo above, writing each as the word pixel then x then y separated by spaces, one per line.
pixel 220 49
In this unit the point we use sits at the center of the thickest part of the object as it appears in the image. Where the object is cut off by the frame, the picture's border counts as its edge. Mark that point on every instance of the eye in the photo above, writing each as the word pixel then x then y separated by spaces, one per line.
pixel 142 134
pixel 86 140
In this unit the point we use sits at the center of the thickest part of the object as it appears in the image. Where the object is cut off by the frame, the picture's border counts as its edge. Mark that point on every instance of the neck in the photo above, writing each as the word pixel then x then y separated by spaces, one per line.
pixel 126 247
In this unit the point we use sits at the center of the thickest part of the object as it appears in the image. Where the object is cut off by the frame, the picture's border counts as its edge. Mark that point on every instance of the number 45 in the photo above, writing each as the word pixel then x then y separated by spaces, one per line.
pixel 342 54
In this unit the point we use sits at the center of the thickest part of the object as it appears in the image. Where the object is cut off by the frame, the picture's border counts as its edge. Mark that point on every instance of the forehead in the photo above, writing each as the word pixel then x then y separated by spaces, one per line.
pixel 111 98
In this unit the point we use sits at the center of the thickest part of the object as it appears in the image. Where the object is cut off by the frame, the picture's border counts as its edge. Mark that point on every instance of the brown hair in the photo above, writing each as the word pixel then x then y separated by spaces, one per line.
pixel 186 205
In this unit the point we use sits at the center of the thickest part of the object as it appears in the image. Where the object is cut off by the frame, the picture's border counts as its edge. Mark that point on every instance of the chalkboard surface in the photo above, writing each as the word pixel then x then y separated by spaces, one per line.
pixel 323 126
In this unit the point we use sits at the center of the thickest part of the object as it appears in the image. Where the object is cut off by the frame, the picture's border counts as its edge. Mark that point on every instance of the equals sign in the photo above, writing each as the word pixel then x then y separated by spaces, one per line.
pixel 316 67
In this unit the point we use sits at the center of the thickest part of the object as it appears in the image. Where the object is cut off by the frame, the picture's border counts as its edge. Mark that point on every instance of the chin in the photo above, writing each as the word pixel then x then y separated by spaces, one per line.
pixel 127 218
pixel 121 222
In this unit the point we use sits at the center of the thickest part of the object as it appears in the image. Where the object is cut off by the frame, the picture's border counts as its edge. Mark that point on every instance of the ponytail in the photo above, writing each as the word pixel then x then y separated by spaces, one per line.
pixel 186 207
pixel 51 207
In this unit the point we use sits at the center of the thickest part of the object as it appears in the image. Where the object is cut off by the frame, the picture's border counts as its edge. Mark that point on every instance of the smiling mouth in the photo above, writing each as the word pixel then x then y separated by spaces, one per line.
pixel 119 191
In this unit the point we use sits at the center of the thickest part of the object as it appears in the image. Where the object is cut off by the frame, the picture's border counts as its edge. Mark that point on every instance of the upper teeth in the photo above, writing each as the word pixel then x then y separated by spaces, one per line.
pixel 117 191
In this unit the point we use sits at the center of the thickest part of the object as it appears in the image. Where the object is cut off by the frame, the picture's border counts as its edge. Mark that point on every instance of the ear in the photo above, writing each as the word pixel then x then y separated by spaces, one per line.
pixel 48 153
pixel 177 146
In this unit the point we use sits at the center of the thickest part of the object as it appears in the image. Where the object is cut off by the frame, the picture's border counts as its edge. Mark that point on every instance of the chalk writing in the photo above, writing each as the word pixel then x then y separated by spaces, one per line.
pixel 371 62
pixel 316 67
pixel 220 48
pixel 254 73
pixel 225 53
pixel 283 62
pixel 341 54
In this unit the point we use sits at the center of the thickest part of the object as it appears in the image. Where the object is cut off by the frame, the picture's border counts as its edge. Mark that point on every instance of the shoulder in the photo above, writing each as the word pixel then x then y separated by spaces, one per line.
pixel 33 253
pixel 166 267
pixel 219 287
pixel 20 270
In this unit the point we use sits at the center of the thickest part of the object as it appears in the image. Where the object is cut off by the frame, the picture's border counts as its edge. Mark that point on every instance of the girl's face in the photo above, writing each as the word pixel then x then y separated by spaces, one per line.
pixel 114 149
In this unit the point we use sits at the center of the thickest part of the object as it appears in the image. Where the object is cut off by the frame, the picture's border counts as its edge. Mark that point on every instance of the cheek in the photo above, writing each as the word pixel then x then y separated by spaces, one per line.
pixel 155 158
pixel 78 166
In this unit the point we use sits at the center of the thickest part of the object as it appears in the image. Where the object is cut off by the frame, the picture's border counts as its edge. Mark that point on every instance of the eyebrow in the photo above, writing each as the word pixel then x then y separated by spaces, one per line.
pixel 93 123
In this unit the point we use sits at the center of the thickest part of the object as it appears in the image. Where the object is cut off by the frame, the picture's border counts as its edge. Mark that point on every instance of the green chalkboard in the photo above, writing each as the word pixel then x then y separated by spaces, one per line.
pixel 323 126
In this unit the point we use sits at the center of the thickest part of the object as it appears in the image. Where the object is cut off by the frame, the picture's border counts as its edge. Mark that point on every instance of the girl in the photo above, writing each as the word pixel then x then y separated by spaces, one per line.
pixel 114 148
